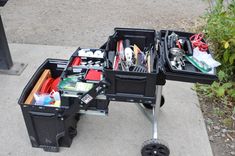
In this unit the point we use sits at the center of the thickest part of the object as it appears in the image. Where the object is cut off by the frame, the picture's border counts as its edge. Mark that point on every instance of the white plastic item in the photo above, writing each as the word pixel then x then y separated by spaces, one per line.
pixel 128 55
pixel 99 54
pixel 85 53
pixel 207 58
pixel 89 54
pixel 81 52
pixel 52 99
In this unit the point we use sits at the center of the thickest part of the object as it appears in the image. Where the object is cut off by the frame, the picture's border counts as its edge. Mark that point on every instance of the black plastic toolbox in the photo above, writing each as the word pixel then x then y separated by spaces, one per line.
pixel 47 127
pixel 132 86
pixel 53 127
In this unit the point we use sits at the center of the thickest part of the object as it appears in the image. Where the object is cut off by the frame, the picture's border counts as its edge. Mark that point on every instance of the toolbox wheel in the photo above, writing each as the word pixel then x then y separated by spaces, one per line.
pixel 154 147
pixel 149 106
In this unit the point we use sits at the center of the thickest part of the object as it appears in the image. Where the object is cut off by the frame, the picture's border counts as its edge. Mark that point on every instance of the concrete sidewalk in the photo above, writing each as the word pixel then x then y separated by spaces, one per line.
pixel 122 133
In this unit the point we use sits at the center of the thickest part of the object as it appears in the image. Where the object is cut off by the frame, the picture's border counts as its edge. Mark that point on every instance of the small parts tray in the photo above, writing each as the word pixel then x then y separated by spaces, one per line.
pixel 189 72
pixel 132 86
pixel 85 67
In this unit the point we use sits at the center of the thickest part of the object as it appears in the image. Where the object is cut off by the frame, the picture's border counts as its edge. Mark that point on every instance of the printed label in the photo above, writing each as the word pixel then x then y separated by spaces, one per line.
pixel 87 98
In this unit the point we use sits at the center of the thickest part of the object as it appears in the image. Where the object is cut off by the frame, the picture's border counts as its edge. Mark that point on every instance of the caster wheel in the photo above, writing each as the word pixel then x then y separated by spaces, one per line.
pixel 148 106
pixel 154 147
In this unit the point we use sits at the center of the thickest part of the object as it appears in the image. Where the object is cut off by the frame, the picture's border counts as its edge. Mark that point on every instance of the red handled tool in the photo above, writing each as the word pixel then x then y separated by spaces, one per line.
pixel 76 61
pixel 117 57
pixel 178 44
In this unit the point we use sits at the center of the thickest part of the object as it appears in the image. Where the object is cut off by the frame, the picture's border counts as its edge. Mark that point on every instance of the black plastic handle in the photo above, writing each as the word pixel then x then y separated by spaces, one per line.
pixel 42 114
pixel 129 77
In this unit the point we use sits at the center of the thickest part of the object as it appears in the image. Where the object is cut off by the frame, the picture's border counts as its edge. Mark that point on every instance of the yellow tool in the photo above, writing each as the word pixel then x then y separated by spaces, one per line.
pixel 46 74
pixel 136 52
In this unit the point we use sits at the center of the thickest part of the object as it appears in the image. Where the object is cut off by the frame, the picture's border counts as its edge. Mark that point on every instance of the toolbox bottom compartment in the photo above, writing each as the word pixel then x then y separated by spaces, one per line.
pixel 48 131
pixel 47 127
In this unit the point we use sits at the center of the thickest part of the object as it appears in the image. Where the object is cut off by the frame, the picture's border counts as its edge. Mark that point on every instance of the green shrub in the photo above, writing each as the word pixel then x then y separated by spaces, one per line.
pixel 220 34
pixel 220 31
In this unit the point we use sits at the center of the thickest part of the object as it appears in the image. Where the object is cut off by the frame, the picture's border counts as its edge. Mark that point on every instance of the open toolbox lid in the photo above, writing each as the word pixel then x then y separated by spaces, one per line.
pixel 189 73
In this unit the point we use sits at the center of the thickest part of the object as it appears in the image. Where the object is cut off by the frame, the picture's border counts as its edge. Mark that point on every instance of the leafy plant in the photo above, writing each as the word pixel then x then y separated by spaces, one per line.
pixel 222 89
pixel 220 34
pixel 220 30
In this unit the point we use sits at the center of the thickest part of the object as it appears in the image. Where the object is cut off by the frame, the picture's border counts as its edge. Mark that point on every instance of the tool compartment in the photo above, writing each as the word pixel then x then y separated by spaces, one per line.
pixel 132 86
pixel 189 73
pixel 46 126
pixel 85 71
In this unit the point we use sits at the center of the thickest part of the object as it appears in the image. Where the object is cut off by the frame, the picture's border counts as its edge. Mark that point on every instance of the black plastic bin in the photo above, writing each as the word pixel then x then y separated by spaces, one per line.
pixel 191 74
pixel 47 127
pixel 131 86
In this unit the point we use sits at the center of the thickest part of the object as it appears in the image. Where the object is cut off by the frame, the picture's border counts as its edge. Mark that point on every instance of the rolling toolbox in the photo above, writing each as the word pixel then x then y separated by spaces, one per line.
pixel 53 127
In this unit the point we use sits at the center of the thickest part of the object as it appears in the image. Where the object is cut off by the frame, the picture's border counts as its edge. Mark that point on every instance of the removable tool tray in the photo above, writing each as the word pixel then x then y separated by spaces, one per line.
pixel 191 73
pixel 99 104
pixel 73 70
